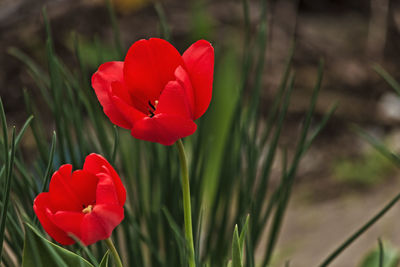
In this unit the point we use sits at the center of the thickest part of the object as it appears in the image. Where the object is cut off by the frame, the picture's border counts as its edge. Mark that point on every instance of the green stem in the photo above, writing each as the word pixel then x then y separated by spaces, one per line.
pixel 364 228
pixel 187 211
pixel 114 252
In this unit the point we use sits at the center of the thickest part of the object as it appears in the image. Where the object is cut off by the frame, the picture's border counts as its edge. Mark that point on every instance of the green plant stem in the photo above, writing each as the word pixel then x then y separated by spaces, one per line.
pixel 114 252
pixel 187 211
pixel 360 231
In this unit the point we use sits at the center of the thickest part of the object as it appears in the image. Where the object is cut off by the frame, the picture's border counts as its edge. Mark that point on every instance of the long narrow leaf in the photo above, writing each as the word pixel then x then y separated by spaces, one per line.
pixel 388 78
pixel 6 191
pixel 46 177
pixel 359 232
pixel 236 252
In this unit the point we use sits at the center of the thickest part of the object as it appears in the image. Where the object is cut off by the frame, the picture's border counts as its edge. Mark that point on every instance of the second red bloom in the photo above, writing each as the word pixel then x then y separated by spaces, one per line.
pixel 87 204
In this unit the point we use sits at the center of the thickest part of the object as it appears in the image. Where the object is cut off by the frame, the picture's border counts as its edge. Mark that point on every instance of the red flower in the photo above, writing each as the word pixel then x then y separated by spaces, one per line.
pixel 87 204
pixel 156 92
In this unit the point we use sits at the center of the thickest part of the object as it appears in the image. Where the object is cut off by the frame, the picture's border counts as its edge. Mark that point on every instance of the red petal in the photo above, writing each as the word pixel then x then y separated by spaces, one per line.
pixel 173 101
pixel 130 113
pixel 65 170
pixel 199 62
pixel 62 197
pixel 40 205
pixel 94 164
pixel 163 128
pixel 149 66
pixel 84 185
pixel 102 80
pixel 99 224
pixel 183 78
pixel 106 191
pixel 70 222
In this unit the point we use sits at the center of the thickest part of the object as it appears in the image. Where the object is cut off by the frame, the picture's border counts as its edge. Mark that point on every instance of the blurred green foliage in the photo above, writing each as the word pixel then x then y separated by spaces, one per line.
pixel 40 252
pixel 369 169
pixel 386 255
pixel 93 51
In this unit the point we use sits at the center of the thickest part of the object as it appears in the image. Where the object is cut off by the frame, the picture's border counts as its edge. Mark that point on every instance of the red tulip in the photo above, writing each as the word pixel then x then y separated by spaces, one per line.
pixel 157 93
pixel 87 204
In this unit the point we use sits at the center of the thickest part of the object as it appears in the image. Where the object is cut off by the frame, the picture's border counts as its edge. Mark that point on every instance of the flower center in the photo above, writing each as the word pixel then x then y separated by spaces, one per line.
pixel 152 108
pixel 88 209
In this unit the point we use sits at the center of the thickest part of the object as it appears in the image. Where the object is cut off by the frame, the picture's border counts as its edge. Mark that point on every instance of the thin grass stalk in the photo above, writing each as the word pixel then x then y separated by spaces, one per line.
pixel 277 99
pixel 38 75
pixel 115 147
pixel 260 195
pixel 56 87
pixel 18 139
pixel 381 253
pixel 5 137
pixel 7 188
pixel 261 192
pixel 262 48
pixel 186 202
pixel 114 252
pixel 247 52
pixel 47 174
pixel 46 177
pixel 77 123
pixel 285 196
pixel 359 232
pixel 165 30
pixel 379 146
pixel 388 78
pixel 115 28
pixel 35 126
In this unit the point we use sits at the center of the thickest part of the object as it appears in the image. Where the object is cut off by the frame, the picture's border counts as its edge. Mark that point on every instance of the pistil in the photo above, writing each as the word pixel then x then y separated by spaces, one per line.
pixel 88 209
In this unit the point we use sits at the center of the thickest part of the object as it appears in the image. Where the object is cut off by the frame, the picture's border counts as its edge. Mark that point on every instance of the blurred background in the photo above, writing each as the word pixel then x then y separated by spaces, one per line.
pixel 341 181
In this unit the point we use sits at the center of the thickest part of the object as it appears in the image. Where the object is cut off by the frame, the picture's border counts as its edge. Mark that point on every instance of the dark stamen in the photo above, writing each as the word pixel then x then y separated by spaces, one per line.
pixel 151 115
pixel 152 106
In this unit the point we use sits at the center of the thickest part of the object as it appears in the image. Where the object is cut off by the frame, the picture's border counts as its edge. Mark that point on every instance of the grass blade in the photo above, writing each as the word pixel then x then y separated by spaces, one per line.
pixel 115 28
pixel 289 178
pixel 243 234
pixel 236 252
pixel 7 190
pixel 388 78
pixel 36 128
pixel 5 136
pixel 115 148
pixel 50 163
pixel 381 252
pixel 359 232
pixel 165 30
pixel 23 129
pixel 377 145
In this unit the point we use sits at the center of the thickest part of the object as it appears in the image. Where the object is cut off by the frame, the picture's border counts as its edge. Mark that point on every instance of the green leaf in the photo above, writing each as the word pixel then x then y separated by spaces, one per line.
pixel 379 146
pixel 7 187
pixel 115 148
pixel 391 257
pixel 236 251
pixel 50 163
pixel 23 129
pixel 104 261
pixel 38 251
pixel 115 28
pixel 217 122
pixel 164 27
pixel 388 78
pixel 360 231
pixel 243 234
